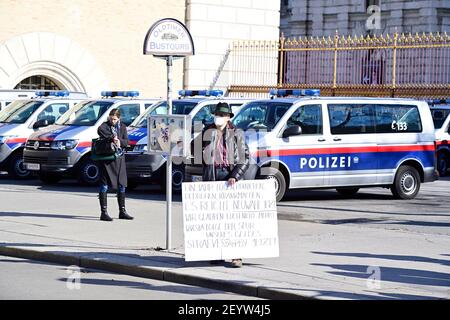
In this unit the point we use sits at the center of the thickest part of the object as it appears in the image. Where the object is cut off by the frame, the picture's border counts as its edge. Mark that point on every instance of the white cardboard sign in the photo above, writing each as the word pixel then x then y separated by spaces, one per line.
pixel 222 222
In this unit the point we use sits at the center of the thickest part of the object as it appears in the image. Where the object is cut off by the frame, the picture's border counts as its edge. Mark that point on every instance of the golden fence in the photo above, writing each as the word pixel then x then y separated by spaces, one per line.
pixel 387 66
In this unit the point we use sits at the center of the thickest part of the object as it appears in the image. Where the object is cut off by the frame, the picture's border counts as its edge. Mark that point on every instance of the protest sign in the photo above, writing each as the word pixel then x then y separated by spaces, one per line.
pixel 226 222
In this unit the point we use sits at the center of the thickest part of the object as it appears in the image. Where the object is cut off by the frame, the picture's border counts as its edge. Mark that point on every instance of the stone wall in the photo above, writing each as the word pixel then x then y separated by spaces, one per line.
pixel 214 24
pixel 324 17
pixel 93 45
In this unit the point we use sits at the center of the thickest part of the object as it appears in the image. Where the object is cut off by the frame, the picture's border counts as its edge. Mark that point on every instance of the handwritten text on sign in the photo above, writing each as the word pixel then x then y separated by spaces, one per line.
pixel 223 222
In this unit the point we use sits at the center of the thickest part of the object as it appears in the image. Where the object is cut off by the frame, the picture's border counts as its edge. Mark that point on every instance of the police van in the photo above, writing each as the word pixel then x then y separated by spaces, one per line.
pixel 308 141
pixel 8 96
pixel 64 149
pixel 440 111
pixel 148 168
pixel 24 117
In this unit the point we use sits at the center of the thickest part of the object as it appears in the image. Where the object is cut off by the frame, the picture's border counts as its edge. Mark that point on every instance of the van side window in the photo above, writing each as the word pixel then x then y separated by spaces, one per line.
pixel 161 109
pixel 351 118
pixel 129 112
pixel 205 114
pixel 53 112
pixel 309 118
pixel 397 118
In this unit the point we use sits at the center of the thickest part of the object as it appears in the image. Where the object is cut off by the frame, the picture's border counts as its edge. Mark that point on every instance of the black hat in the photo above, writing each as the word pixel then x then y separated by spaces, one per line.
pixel 224 107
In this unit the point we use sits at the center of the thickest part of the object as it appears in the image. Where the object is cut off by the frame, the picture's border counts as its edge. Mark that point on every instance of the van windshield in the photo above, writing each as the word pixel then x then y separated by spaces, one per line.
pixel 178 107
pixel 439 116
pixel 85 113
pixel 19 111
pixel 260 115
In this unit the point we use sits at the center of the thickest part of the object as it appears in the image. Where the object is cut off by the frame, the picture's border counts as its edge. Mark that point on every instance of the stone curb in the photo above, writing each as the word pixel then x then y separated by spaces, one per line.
pixel 165 274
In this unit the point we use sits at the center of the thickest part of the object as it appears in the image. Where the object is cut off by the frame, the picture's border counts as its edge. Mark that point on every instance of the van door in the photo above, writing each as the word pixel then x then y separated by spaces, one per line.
pixel 303 153
pixel 397 136
pixel 352 160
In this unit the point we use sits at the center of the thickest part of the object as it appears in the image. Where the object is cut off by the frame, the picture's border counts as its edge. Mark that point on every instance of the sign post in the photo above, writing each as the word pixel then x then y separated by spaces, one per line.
pixel 168 39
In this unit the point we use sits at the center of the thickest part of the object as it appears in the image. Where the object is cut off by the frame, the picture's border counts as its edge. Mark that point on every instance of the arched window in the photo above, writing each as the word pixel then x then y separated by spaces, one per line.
pixel 38 83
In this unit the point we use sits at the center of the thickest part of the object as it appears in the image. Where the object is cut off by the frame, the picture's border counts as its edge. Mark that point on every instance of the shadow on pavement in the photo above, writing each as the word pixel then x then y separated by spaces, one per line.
pixel 118 283
pixel 358 296
pixel 144 260
pixel 45 215
pixel 390 274
pixel 387 257
pixel 191 290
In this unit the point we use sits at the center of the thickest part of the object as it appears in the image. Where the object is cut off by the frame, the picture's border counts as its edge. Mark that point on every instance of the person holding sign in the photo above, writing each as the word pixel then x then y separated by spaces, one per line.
pixel 225 153
pixel 113 172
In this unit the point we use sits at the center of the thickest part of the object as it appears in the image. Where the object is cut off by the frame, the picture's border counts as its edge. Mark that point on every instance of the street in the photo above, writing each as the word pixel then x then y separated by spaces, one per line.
pixel 330 247
pixel 33 280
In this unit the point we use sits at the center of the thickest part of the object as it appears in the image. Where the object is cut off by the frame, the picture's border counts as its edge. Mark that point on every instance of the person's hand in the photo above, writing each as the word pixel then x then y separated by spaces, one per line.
pixel 117 142
pixel 231 182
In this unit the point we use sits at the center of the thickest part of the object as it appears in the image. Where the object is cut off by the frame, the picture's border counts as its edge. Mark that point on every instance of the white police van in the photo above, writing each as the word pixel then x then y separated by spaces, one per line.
pixel 64 148
pixel 7 96
pixel 22 118
pixel 440 111
pixel 310 141
pixel 148 168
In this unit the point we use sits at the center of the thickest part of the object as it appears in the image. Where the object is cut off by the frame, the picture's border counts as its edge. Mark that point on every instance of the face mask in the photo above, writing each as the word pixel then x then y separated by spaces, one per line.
pixel 219 121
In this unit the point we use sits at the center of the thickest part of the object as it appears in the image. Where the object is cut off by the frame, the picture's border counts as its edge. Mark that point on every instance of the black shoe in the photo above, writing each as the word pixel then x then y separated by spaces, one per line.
pixel 236 263
pixel 103 197
pixel 216 262
pixel 122 211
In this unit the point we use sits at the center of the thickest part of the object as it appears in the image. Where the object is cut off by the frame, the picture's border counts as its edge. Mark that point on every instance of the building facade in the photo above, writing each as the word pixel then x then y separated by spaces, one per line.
pixel 361 17
pixel 91 46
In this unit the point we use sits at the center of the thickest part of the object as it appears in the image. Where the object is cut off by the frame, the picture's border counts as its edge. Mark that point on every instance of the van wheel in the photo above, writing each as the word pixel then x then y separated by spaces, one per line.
pixel 406 184
pixel 442 164
pixel 49 178
pixel 16 168
pixel 178 177
pixel 278 178
pixel 89 173
pixel 347 192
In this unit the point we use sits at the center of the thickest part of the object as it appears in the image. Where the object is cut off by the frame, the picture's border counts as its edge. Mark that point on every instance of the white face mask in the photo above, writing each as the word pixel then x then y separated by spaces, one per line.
pixel 219 121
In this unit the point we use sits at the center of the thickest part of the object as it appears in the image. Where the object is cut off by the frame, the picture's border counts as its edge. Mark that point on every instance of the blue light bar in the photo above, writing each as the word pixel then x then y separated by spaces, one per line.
pixel 205 93
pixel 294 92
pixel 61 93
pixel 130 94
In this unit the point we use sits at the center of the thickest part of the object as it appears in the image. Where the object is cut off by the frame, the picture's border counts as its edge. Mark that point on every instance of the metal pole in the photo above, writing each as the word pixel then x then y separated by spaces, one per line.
pixel 169 60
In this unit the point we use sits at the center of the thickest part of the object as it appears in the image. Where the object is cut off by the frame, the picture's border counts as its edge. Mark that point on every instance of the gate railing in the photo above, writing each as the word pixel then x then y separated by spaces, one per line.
pixel 397 66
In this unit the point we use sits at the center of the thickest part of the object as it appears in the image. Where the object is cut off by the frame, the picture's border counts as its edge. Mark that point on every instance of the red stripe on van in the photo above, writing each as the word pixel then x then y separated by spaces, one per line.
pixel 311 151
pixel 16 140
pixel 84 144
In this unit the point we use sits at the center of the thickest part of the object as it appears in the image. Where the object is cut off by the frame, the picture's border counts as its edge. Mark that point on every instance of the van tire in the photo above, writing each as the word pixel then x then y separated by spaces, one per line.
pixel 280 181
pixel 89 172
pixel 406 183
pixel 347 192
pixel 442 164
pixel 49 177
pixel 16 168
pixel 178 177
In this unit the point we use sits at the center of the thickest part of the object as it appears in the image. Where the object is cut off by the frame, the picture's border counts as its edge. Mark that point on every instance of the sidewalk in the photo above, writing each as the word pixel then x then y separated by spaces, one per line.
pixel 316 261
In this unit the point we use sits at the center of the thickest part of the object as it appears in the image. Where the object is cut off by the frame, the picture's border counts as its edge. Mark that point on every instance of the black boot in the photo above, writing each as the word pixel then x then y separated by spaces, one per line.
pixel 103 197
pixel 122 211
